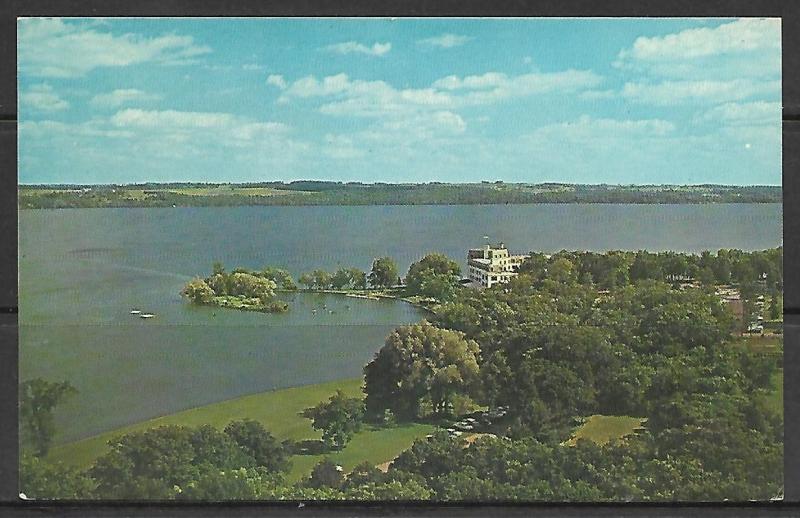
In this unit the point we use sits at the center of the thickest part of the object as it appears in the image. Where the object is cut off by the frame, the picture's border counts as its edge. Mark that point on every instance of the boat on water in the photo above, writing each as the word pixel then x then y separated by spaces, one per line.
pixel 146 315
pixel 136 312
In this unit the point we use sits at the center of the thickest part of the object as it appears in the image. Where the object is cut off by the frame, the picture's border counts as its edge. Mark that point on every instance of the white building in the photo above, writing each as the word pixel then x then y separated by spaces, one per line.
pixel 491 265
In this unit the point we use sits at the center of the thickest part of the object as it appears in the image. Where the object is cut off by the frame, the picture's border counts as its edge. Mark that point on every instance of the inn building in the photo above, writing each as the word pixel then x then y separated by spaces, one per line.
pixel 490 265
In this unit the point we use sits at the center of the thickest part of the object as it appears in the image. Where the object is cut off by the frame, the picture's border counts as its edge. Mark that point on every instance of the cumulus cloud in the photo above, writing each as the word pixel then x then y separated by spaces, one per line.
pixel 702 91
pixel 276 80
pixel 121 96
pixel 712 65
pixel 356 97
pixel 752 113
pixel 586 127
pixel 445 41
pixel 174 119
pixel 43 98
pixel 743 35
pixel 353 47
pixel 161 143
pixel 51 47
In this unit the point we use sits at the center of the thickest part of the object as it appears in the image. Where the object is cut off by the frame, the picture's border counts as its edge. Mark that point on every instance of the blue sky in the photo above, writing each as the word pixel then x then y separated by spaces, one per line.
pixel 678 101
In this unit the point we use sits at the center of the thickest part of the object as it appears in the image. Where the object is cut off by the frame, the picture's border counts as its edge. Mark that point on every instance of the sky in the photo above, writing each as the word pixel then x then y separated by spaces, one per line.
pixel 619 101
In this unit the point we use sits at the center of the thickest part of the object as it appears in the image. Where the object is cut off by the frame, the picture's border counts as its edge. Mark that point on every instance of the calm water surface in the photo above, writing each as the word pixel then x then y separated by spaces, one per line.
pixel 82 270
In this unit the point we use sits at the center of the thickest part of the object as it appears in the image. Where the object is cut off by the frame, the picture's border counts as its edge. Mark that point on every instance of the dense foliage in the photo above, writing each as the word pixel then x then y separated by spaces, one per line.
pixel 434 276
pixel 338 418
pixel 163 462
pixel 420 365
pixel 341 279
pixel 240 289
pixel 336 193
pixel 384 273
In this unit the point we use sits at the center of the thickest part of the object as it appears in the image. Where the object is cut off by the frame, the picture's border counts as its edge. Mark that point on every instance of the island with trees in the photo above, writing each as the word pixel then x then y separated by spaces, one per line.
pixel 239 289
pixel 313 192
pixel 617 376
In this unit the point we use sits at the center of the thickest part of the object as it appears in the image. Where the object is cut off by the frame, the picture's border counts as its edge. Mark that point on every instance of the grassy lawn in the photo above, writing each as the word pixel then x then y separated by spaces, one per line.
pixel 279 412
pixel 776 396
pixel 763 343
pixel 602 428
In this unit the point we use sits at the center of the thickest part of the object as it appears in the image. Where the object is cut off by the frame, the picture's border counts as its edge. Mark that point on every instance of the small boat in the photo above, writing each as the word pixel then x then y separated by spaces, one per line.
pixel 146 315
pixel 136 311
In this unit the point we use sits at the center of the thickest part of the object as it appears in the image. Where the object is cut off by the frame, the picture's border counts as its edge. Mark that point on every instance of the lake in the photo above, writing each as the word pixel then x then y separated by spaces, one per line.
pixel 83 270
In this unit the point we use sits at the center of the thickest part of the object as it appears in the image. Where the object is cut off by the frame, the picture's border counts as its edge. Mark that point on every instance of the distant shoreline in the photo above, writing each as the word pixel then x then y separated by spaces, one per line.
pixel 355 194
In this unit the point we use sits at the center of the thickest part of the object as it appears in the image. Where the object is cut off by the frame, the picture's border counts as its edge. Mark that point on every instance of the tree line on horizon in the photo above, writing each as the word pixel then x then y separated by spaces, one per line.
pixel 433 193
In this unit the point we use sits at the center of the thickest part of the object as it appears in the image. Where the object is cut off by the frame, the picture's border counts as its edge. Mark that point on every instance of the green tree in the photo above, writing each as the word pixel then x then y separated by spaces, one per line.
pixel 321 279
pixel 38 398
pixel 257 442
pixel 340 279
pixel 306 280
pixel 160 463
pixel 706 276
pixel 326 474
pixel 646 266
pixel 775 307
pixel 213 485
pixel 358 278
pixel 338 418
pixel 198 291
pixel 249 285
pixel 722 267
pixel 218 268
pixel 384 272
pixel 562 271
pixel 280 277
pixel 42 480
pixel 431 274
pixel 417 362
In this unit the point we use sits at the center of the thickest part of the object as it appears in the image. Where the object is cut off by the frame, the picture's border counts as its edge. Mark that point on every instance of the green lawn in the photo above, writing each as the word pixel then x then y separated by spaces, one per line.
pixel 776 396
pixel 763 344
pixel 279 412
pixel 602 428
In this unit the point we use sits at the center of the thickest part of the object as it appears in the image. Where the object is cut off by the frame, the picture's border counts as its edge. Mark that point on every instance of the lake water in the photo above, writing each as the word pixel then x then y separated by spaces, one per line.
pixel 82 270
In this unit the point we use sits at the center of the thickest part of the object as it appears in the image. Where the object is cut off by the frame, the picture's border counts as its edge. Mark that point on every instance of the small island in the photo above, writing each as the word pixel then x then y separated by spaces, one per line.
pixel 239 289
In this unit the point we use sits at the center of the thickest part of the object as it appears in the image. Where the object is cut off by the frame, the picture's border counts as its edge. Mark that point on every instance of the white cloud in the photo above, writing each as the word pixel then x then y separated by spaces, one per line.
pixel 341 147
pixel 227 123
pixel 50 47
pixel 276 80
pixel 252 67
pixel 121 96
pixel 494 86
pixel 166 144
pixel 43 98
pixel 588 128
pixel 743 35
pixel 445 41
pixel 701 91
pixel 746 114
pixel 352 47
pixel 355 97
pixel 309 86
pixel 596 95
pixel 746 48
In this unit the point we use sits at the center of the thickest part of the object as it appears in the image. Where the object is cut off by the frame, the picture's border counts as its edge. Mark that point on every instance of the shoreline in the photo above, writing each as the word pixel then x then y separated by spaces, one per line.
pixel 367 294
